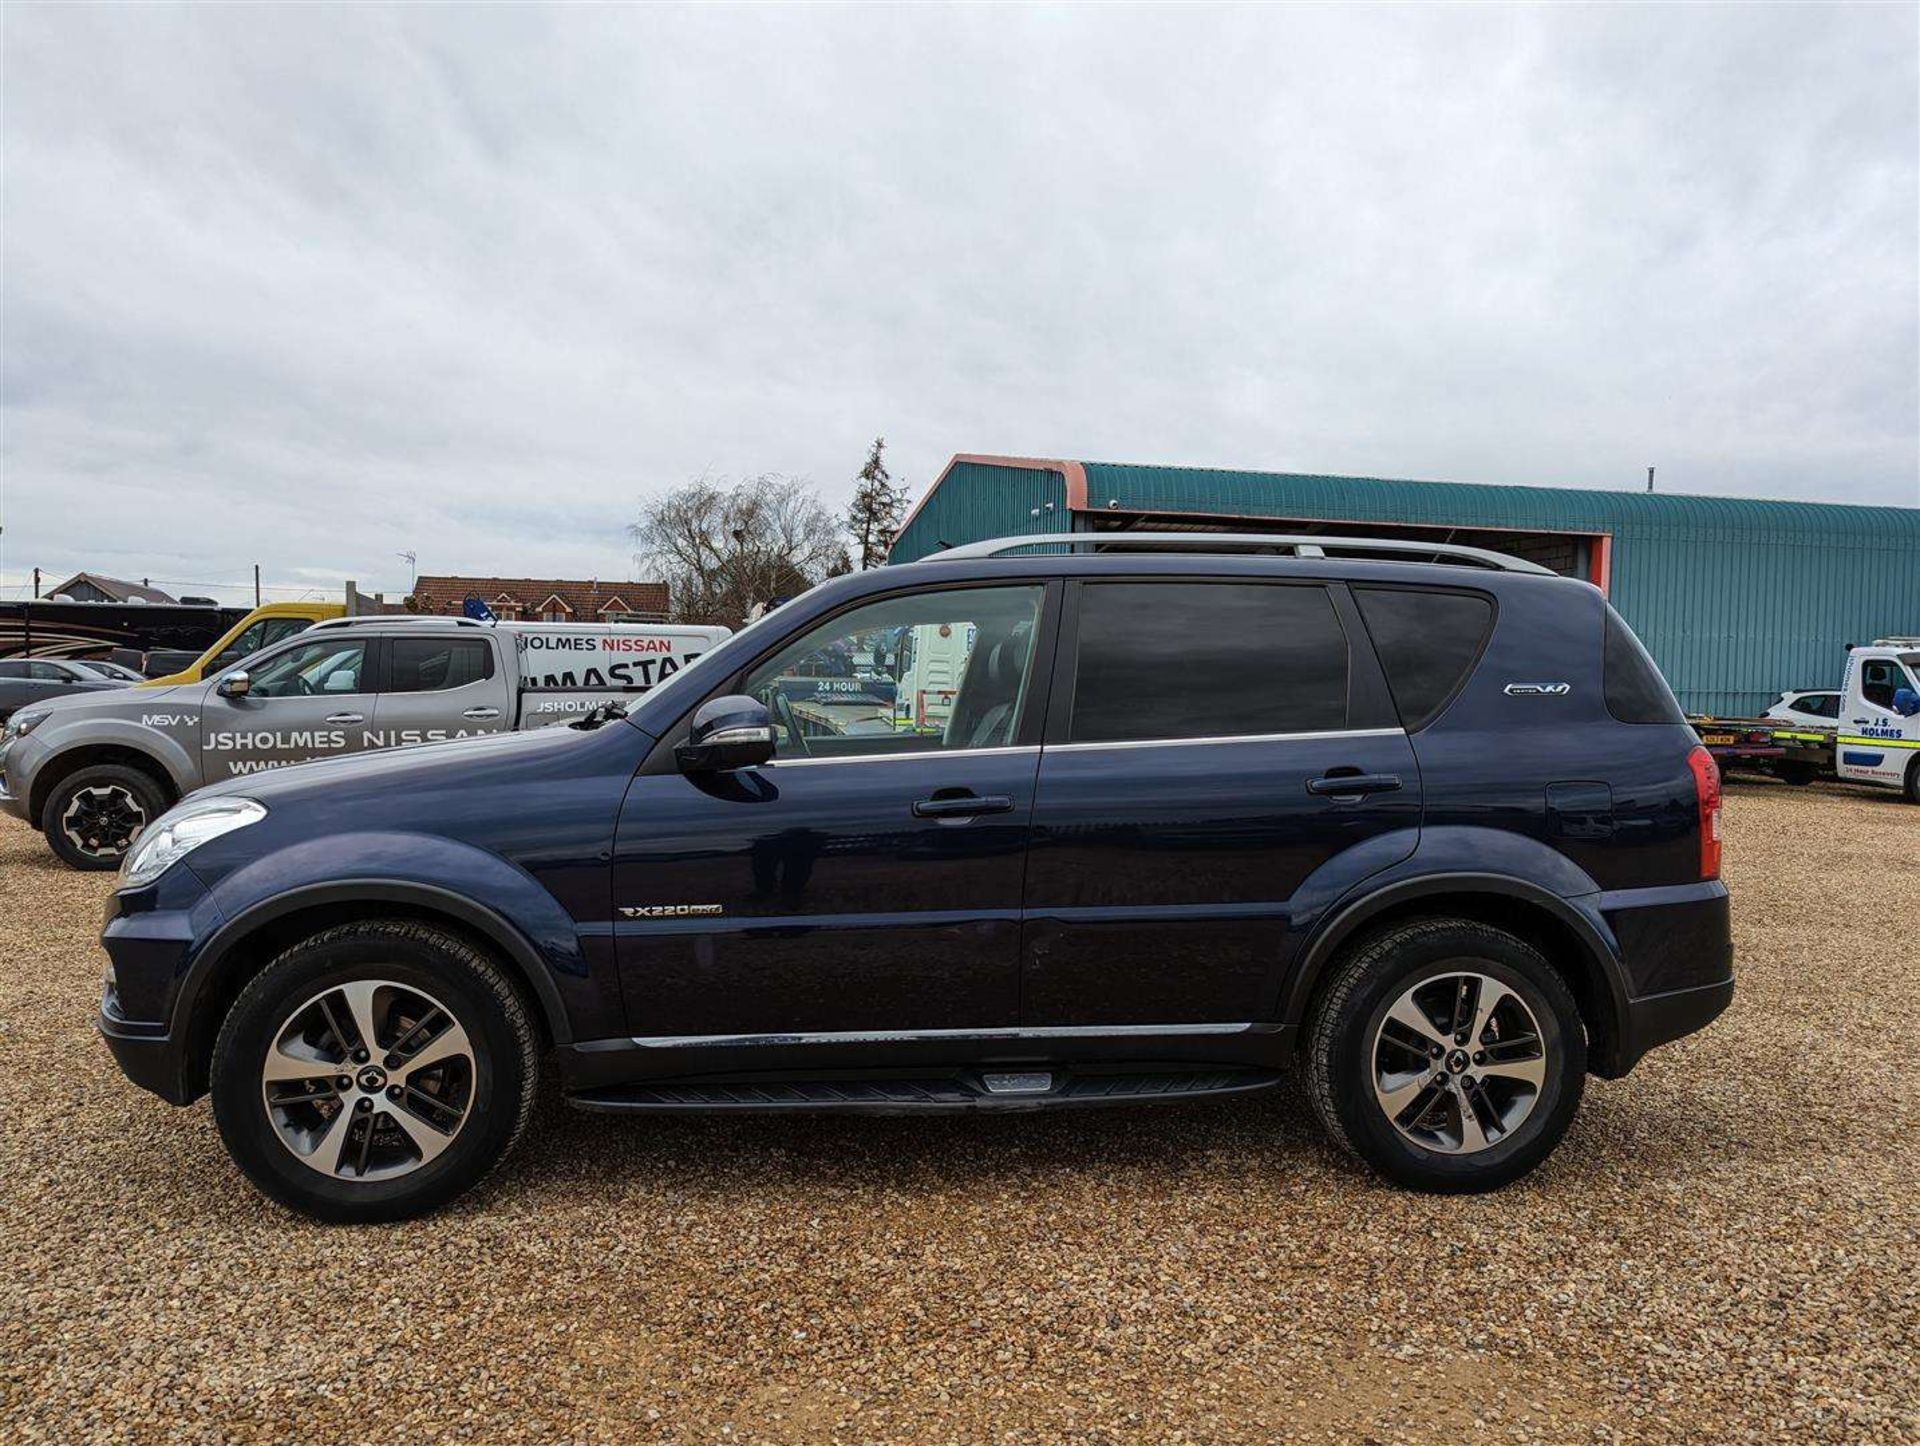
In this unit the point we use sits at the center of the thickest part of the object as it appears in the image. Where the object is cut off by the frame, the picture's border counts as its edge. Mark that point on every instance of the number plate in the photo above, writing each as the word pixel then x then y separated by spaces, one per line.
pixel 1711 738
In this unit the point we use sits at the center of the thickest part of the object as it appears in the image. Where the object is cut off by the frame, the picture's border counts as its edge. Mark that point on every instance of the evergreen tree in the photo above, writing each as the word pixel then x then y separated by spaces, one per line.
pixel 878 507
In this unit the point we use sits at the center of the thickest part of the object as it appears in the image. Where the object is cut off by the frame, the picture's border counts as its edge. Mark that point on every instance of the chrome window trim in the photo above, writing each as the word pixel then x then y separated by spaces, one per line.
pixel 929 1036
pixel 1323 733
pixel 920 753
pixel 925 753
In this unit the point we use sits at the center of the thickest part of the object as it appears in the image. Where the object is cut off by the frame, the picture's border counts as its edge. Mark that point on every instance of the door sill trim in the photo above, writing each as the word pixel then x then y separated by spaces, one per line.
pixel 1012 1033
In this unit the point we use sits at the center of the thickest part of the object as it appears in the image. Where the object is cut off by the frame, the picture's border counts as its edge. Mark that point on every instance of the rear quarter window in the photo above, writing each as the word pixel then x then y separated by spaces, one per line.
pixel 1427 641
pixel 1636 693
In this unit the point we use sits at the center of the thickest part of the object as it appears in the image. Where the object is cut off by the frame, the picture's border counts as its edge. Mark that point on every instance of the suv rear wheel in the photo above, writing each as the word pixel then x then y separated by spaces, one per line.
pixel 94 814
pixel 374 1072
pixel 1447 1054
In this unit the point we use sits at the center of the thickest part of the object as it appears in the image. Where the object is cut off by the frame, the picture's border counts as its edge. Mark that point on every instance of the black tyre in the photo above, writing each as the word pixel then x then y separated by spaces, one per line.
pixel 1913 781
pixel 374 1072
pixel 94 814
pixel 1798 774
pixel 1447 1054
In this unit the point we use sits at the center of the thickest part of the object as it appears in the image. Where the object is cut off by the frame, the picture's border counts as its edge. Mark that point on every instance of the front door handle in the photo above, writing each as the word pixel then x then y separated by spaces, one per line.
pixel 346 718
pixel 1340 784
pixel 479 713
pixel 962 805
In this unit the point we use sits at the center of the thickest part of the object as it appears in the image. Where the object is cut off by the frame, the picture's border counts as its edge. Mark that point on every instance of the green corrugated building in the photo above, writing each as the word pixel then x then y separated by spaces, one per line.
pixel 1737 598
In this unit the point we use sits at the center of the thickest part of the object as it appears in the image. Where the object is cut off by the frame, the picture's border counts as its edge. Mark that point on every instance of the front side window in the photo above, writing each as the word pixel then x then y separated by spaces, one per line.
pixel 1206 660
pixel 1880 679
pixel 52 673
pixel 311 670
pixel 429 665
pixel 938 670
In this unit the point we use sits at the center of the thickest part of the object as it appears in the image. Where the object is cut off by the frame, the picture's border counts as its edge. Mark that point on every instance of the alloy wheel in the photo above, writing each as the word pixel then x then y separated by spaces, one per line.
pixel 369 1080
pixel 103 819
pixel 1458 1062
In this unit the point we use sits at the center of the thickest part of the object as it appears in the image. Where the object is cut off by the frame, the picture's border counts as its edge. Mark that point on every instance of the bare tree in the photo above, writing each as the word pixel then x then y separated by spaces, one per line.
pixel 877 508
pixel 722 547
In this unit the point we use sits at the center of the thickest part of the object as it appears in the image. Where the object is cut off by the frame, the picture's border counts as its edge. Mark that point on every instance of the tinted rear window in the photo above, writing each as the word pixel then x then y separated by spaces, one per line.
pixel 1207 660
pixel 1427 642
pixel 1636 693
pixel 429 665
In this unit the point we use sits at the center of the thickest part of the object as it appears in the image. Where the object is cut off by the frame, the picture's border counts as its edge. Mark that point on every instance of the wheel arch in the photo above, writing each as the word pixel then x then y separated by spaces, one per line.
pixel 248 943
pixel 1578 946
pixel 69 761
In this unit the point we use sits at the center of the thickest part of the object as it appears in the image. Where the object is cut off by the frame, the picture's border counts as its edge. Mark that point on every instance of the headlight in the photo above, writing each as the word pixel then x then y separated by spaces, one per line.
pixel 23 723
pixel 180 831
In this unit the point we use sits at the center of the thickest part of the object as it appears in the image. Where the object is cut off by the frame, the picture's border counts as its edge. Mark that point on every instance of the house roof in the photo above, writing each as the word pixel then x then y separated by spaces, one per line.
pixel 119 589
pixel 587 599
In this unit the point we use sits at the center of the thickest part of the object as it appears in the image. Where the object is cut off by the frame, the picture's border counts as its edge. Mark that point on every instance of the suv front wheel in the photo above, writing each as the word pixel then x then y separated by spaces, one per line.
pixel 374 1072
pixel 1447 1054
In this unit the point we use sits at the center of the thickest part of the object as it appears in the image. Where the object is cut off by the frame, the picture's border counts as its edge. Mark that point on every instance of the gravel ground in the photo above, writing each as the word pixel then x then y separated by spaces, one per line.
pixel 1725 1245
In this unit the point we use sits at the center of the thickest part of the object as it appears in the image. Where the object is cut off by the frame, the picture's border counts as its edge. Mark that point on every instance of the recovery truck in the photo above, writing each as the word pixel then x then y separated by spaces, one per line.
pixel 1875 740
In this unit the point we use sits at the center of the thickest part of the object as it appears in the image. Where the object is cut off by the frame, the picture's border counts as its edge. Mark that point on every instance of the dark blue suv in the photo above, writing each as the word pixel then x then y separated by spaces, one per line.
pixel 1126 818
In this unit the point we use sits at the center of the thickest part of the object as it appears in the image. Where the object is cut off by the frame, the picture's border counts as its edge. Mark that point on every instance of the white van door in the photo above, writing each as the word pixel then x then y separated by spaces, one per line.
pixel 1878 741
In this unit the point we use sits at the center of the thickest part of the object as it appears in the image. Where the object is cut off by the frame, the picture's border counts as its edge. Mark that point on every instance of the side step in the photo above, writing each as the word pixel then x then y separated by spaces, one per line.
pixel 1028 1089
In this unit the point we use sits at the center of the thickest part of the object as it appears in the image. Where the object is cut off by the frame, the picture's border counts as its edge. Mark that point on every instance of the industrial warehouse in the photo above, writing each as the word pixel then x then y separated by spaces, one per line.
pixel 1738 599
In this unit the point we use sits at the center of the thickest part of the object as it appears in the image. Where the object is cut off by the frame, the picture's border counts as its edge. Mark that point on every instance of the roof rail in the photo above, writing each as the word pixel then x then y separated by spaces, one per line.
pixel 1300 544
pixel 404 619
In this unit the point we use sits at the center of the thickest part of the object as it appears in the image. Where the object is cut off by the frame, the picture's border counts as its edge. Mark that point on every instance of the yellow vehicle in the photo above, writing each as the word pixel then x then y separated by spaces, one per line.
pixel 266 624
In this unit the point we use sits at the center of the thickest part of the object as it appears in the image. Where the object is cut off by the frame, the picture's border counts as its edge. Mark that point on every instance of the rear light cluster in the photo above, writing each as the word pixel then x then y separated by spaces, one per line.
pixel 1706 789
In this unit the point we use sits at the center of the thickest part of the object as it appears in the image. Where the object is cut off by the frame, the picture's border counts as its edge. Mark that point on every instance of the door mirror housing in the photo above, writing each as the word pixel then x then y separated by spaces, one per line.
pixel 1906 702
pixel 235 685
pixel 727 733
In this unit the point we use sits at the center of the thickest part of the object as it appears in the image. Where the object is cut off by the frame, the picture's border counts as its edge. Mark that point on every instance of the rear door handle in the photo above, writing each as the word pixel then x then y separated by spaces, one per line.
pixel 346 718
pixel 1353 785
pixel 477 713
pixel 966 805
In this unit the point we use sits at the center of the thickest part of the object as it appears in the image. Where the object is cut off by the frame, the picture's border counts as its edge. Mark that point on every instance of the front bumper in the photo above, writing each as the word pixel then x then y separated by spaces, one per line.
pixel 150 935
pixel 155 1062
pixel 20 758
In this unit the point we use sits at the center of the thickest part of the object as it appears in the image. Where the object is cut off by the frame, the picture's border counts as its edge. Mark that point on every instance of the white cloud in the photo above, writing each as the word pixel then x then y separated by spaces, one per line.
pixel 310 287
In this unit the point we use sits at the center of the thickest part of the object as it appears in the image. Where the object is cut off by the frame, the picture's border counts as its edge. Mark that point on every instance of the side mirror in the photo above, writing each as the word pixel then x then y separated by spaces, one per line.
pixel 727 733
pixel 235 685
pixel 1906 702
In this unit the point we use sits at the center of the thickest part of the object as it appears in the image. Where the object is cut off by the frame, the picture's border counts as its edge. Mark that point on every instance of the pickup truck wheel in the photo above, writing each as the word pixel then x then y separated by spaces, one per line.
pixel 1448 1055
pixel 1913 780
pixel 94 814
pixel 374 1072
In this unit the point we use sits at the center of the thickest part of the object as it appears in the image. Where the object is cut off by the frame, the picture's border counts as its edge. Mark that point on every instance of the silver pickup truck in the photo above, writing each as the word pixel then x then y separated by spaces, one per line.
pixel 92 770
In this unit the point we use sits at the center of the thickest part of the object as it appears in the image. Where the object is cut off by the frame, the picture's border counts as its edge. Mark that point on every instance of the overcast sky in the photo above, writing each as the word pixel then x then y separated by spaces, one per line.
pixel 311 286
